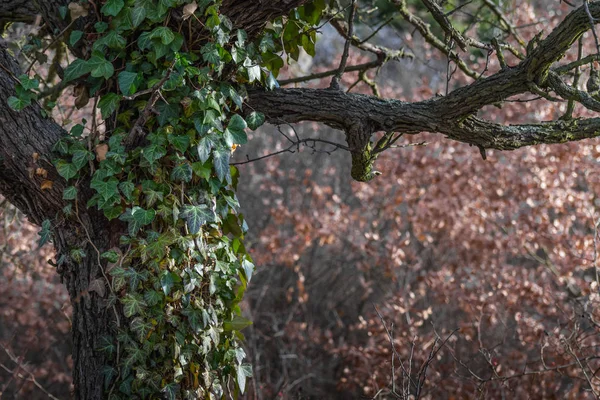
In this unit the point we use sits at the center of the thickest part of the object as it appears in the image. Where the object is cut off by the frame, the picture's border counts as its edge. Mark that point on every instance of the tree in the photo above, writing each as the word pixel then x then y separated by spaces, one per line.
pixel 139 200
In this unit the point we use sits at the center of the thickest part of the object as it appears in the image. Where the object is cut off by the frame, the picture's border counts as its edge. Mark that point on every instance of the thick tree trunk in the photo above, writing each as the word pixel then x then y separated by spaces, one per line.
pixel 26 140
pixel 93 318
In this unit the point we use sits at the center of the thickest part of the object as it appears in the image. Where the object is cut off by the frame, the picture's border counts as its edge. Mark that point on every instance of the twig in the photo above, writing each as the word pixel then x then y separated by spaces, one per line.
pixel 335 81
pixel 31 377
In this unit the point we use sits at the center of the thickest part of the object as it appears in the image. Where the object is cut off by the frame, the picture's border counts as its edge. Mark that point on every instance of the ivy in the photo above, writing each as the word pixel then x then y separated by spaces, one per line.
pixel 181 268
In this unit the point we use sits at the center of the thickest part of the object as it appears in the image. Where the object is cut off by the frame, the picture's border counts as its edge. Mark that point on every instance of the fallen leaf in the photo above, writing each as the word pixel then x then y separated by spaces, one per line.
pixel 101 151
pixel 77 10
pixel 189 9
pixel 41 172
pixel 47 185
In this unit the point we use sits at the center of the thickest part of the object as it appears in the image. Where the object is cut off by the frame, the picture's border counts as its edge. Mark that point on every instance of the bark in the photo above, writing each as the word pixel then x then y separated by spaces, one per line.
pixel 26 139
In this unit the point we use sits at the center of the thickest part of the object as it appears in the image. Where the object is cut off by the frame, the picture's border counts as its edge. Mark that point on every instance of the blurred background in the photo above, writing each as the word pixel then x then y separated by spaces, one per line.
pixel 447 277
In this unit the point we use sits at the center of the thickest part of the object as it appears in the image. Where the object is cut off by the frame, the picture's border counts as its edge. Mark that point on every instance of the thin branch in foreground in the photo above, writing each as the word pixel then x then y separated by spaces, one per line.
pixel 295 147
pixel 20 366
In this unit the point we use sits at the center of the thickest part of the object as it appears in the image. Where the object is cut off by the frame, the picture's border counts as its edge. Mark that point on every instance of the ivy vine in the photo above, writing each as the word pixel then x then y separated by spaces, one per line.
pixel 168 78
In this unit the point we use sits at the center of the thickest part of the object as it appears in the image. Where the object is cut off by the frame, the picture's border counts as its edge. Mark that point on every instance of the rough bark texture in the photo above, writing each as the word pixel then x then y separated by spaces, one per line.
pixel 26 139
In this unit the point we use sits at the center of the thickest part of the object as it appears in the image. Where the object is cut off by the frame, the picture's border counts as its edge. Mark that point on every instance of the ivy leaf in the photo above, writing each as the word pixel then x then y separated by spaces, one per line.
pixel 133 304
pixel 163 33
pixel 45 233
pixel 171 391
pixel 127 189
pixel 237 127
pixel 221 162
pixel 108 104
pixel 210 53
pixel 196 216
pixel 182 172
pixel 101 67
pixel 255 119
pixel 204 148
pixel 154 152
pixel 138 15
pixel 236 324
pixel 65 169
pixel 253 73
pixel 81 157
pixel 194 318
pixel 74 37
pixel 152 297
pixel 128 82
pixel 152 196
pixel 167 281
pixel 248 268
pixel 137 217
pixel 112 7
pixel 180 142
pixel 76 69
pixel 106 189
pixel 17 103
pixel 243 371
pixel 70 193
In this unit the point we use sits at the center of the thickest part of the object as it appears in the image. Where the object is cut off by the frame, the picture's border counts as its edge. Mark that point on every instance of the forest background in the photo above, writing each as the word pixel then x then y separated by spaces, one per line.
pixel 463 277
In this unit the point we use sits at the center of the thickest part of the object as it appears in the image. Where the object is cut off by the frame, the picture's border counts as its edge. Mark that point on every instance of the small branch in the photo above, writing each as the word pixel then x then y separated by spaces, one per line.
pixel 31 377
pixel 335 81
pixel 294 147
pixel 359 67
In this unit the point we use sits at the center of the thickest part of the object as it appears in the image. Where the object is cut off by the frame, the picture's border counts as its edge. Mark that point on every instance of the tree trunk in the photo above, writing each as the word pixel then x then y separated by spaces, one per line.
pixel 26 140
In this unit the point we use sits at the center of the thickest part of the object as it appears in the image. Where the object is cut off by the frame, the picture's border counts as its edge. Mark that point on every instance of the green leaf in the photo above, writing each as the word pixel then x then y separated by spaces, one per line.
pixel 18 104
pixel 138 15
pixel 137 217
pixel 180 142
pixel 70 193
pixel 65 169
pixel 253 73
pixel 81 158
pixel 243 371
pixel 167 281
pixel 154 152
pixel 163 33
pixel 210 53
pixel 204 148
pixel 74 37
pixel 237 127
pixel 45 233
pixel 108 104
pixel 221 162
pixel 101 67
pixel 127 189
pixel 128 82
pixel 106 189
pixel 112 7
pixel 236 324
pixel 133 304
pixel 203 170
pixel 248 268
pixel 111 255
pixel 182 172
pixel 196 216
pixel 171 391
pixel 255 119
pixel 152 297
pixel 28 83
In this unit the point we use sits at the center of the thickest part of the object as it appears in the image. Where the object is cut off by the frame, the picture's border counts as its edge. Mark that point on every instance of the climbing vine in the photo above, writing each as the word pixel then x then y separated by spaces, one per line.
pixel 169 80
